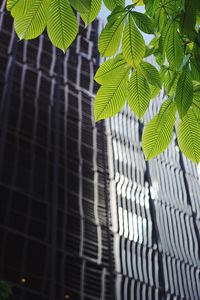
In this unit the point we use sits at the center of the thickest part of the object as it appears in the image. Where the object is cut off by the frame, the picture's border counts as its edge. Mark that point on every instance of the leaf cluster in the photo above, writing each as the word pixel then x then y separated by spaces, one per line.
pixel 127 75
pixel 32 17
pixel 176 51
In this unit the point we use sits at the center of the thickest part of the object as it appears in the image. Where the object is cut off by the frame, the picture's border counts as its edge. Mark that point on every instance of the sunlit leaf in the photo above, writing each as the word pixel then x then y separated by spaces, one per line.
pixel 189 136
pixel 110 69
pixel 170 80
pixel 164 36
pixel 184 92
pixel 155 90
pixel 139 93
pixel 88 17
pixel 33 22
pixel 110 37
pixel 158 132
pixel 151 73
pixel 111 4
pixel 174 48
pixel 82 6
pixel 11 3
pixel 138 2
pixel 143 22
pixel 62 25
pixel 133 45
pixel 111 97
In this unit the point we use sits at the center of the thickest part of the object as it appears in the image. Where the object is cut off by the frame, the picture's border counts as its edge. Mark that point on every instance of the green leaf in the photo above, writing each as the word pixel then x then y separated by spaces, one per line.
pixel 110 37
pixel 189 136
pixel 139 94
pixel 157 50
pixel 185 61
pixel 62 25
pixel 19 8
pixel 110 69
pixel 111 4
pixel 174 48
pixel 154 91
pixel 117 13
pixel 11 3
pixel 188 18
pixel 93 12
pixel 196 99
pixel 160 17
pixel 196 110
pixel 32 23
pixel 163 71
pixel 163 40
pixel 151 6
pixel 111 97
pixel 195 73
pixel 160 58
pixel 158 132
pixel 184 92
pixel 196 56
pixel 196 86
pixel 82 6
pixel 138 2
pixel 150 50
pixel 143 22
pixel 173 7
pixel 133 45
pixel 170 80
pixel 151 73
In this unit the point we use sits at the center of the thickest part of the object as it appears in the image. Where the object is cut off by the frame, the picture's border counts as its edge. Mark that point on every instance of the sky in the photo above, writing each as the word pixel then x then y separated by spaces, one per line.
pixel 105 12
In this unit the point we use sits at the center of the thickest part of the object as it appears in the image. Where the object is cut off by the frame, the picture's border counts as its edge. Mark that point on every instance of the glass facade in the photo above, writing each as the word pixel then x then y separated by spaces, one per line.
pixel 82 214
pixel 55 241
pixel 157 204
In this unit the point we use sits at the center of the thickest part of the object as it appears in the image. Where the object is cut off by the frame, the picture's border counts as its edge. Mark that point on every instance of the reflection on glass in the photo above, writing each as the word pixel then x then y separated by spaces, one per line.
pixel 154 189
pixel 132 226
pixel 126 231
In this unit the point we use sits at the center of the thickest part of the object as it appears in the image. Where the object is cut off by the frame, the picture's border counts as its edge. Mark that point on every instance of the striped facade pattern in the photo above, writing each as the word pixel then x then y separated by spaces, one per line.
pixel 54 220
pixel 82 214
pixel 157 232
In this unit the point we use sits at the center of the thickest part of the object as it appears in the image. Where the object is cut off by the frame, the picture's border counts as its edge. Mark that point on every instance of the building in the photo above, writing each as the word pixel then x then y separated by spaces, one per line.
pixel 54 233
pixel 156 235
pixel 82 214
